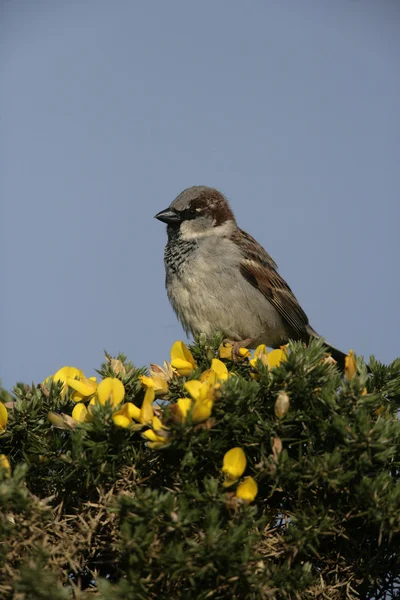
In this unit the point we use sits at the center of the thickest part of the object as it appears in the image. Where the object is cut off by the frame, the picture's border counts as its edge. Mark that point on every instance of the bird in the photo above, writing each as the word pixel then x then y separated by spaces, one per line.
pixel 219 278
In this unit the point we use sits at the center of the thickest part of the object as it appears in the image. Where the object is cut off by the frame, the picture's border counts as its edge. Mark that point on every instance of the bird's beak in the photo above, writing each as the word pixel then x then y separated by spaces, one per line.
pixel 169 215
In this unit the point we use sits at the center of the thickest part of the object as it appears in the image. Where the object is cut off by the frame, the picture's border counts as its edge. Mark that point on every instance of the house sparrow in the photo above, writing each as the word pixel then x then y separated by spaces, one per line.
pixel 219 278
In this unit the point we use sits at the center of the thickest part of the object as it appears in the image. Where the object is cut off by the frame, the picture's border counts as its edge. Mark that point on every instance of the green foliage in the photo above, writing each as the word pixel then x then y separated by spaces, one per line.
pixel 90 511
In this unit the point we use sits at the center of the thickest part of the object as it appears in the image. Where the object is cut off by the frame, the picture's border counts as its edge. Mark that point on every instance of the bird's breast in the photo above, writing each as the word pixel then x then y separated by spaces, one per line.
pixel 177 254
pixel 209 294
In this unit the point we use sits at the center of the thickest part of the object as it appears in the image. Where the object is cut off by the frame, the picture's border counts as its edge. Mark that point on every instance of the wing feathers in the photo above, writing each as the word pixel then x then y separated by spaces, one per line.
pixel 259 269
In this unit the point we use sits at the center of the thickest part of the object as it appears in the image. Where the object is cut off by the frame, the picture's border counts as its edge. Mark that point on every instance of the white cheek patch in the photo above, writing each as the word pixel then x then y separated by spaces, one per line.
pixel 190 232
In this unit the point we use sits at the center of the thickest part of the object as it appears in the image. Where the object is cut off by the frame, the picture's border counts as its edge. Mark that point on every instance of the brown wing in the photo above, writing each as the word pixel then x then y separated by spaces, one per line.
pixel 259 269
pixel 252 248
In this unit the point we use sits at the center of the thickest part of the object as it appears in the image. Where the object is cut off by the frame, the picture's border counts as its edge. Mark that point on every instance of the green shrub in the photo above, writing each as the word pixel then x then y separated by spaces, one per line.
pixel 129 499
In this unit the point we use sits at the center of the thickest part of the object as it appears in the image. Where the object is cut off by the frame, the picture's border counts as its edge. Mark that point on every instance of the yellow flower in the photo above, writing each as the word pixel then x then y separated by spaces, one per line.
pixel 112 390
pixel 67 372
pixel 201 410
pixel 350 366
pixel 234 464
pixel 83 388
pixel 184 405
pixel 124 416
pixel 217 372
pixel 260 351
pixel 202 390
pixel 225 351
pixel 275 357
pixel 146 412
pixel 270 359
pixel 209 377
pixel 247 490
pixel 5 465
pixel 80 413
pixel 203 394
pixel 244 353
pixel 3 417
pixel 121 420
pixel 158 436
pixel 64 374
pixel 155 381
pixel 220 369
pixel 131 411
pixel 181 359
pixel 91 405
pixel 149 434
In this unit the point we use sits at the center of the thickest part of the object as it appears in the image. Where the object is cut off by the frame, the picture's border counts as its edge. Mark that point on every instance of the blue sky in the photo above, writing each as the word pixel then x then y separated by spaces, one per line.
pixel 109 109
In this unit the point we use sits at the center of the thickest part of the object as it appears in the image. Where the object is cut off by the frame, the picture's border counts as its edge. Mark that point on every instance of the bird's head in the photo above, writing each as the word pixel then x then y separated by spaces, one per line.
pixel 199 212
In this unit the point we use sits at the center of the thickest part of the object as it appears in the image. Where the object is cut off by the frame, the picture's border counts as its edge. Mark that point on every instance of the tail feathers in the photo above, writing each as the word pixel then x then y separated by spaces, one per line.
pixel 338 355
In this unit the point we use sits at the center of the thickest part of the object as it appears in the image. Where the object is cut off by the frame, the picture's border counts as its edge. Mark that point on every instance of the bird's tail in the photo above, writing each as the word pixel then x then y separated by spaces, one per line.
pixel 338 355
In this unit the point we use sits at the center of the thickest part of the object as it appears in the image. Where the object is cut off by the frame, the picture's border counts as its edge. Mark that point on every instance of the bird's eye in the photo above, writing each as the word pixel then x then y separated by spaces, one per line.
pixel 191 213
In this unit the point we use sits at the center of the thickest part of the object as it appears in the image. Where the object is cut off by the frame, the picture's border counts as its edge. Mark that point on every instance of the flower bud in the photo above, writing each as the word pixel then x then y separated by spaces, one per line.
pixel 282 405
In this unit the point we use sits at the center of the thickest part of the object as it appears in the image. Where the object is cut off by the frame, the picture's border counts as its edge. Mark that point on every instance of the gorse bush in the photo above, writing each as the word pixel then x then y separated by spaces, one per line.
pixel 274 476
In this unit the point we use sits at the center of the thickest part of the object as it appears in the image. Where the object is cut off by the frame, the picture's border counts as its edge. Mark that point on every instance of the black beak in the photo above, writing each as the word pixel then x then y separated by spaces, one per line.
pixel 169 215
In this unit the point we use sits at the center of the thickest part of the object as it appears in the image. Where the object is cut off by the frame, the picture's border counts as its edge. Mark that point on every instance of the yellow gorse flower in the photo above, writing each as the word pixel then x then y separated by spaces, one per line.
pixel 226 351
pixel 80 413
pixel 202 410
pixel 111 390
pixel 3 418
pixel 203 393
pixel 64 374
pixel 184 406
pixel 121 420
pixel 5 465
pixel 182 360
pixel 129 412
pixel 350 366
pixel 270 359
pixel 157 382
pixel 125 416
pixel 83 388
pixel 234 465
pixel 260 351
pixel 67 372
pixel 146 411
pixel 218 371
pixel 158 437
pixel 247 489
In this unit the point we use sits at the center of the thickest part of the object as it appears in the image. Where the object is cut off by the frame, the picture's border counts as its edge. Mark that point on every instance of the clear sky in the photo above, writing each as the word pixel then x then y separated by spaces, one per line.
pixel 108 109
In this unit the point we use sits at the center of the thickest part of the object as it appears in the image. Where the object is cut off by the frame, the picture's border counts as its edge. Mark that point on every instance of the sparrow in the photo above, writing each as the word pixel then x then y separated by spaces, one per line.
pixel 219 278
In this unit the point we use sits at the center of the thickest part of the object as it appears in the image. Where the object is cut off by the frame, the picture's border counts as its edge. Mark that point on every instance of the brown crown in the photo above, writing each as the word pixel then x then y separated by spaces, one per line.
pixel 213 203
